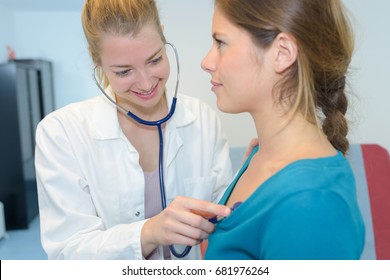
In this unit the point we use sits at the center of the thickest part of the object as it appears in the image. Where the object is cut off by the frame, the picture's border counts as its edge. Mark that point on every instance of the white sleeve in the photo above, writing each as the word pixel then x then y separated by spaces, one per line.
pixel 70 225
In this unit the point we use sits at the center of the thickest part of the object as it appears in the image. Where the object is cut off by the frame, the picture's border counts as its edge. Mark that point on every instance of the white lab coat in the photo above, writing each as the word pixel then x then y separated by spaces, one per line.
pixel 91 186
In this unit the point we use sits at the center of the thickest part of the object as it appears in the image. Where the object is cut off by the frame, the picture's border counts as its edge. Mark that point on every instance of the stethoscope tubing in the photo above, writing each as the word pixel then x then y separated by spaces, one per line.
pixel 158 124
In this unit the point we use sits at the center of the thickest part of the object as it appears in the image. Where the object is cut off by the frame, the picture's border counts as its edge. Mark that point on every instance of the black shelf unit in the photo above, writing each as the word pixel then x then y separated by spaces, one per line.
pixel 26 96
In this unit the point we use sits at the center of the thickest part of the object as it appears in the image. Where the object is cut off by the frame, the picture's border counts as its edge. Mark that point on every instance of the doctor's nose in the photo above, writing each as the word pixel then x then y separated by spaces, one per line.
pixel 144 81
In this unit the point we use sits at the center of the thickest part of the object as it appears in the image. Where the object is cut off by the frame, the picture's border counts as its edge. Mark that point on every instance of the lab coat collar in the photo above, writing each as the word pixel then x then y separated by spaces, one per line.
pixel 106 121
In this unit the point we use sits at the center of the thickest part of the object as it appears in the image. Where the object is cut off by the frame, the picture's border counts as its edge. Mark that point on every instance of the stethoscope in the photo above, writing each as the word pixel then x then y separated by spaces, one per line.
pixel 158 124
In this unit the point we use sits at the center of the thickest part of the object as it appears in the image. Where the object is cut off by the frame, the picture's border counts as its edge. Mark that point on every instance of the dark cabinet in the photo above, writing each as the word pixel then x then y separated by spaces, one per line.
pixel 26 96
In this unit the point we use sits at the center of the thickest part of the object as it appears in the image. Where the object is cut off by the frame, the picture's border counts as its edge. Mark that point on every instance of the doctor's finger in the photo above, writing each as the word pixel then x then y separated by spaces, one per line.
pixel 204 206
pixel 175 216
pixel 191 235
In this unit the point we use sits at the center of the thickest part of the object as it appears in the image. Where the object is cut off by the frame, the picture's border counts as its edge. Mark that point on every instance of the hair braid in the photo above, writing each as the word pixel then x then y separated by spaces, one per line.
pixel 333 102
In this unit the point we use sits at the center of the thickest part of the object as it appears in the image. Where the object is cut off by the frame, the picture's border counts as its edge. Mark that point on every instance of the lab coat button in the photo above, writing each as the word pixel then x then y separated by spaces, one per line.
pixel 137 213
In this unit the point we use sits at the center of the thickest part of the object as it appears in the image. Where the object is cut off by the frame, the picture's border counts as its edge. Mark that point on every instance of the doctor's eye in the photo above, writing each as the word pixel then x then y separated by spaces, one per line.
pixel 156 60
pixel 123 73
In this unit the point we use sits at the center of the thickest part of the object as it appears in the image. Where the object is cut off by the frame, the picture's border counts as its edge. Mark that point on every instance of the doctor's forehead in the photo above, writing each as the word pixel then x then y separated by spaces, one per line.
pixel 118 49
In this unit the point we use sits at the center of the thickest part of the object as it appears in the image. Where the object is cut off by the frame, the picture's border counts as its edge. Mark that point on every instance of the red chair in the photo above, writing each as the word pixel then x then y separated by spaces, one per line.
pixel 371 166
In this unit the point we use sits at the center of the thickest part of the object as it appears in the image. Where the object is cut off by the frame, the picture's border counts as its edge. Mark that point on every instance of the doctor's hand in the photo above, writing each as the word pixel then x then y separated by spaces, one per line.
pixel 184 222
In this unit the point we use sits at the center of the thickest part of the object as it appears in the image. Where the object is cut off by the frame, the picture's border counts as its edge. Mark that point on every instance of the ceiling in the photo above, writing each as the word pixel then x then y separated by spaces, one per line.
pixel 43 5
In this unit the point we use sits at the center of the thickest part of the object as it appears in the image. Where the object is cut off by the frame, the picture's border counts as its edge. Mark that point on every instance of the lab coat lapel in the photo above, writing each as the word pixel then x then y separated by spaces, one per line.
pixel 173 140
pixel 106 119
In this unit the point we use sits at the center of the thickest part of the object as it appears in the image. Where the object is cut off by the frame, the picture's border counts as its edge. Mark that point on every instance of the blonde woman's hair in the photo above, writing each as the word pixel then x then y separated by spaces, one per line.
pixel 118 18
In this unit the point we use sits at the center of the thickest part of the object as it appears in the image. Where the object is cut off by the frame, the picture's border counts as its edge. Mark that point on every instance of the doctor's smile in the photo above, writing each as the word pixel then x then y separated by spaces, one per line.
pixel 147 94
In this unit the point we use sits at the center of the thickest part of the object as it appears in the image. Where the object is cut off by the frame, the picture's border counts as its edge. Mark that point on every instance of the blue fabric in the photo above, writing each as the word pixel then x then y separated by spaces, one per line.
pixel 308 210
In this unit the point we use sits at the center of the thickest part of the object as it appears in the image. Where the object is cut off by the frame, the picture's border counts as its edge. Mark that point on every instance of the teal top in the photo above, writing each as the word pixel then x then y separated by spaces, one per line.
pixel 308 210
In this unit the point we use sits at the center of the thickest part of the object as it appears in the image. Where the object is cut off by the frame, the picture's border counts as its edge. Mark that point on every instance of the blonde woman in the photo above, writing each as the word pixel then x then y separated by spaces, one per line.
pixel 98 169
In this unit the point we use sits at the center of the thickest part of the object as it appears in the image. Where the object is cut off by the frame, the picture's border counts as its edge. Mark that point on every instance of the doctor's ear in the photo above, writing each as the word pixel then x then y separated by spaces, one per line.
pixel 286 52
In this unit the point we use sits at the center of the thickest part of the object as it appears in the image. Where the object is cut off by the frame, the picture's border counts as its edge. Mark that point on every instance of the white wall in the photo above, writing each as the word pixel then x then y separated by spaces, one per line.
pixel 6 31
pixel 57 36
pixel 370 72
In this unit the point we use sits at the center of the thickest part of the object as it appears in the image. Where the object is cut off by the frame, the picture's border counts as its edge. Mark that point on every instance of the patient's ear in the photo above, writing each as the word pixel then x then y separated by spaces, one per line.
pixel 286 52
